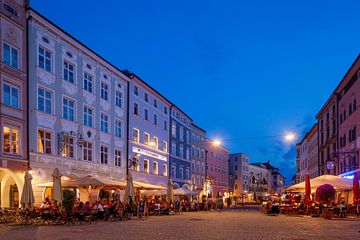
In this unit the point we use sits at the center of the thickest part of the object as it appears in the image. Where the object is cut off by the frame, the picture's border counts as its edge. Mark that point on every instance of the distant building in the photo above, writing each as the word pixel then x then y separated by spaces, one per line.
pixel 297 175
pixel 149 121
pixel 180 145
pixel 313 160
pixel 217 169
pixel 198 157
pixel 276 181
pixel 258 181
pixel 239 172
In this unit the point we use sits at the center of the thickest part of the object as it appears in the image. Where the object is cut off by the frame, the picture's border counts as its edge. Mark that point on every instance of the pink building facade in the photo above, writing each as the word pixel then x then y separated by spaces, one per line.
pixel 349 118
pixel 217 169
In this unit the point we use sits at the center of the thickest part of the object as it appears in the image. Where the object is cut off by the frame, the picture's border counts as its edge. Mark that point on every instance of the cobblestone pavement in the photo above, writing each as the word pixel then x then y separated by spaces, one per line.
pixel 230 224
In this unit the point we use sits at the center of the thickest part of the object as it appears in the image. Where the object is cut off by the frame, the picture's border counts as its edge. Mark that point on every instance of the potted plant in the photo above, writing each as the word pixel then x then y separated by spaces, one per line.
pixel 68 201
pixel 325 194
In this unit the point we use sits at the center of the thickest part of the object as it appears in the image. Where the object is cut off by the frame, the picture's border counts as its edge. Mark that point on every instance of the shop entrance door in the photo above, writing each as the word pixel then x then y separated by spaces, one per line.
pixel 14 196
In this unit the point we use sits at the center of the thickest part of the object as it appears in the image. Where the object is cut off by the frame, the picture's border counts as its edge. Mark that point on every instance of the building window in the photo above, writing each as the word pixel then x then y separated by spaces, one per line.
pixel 10 56
pixel 155 103
pixel 11 10
pixel 136 109
pixel 146 115
pixel 164 170
pixel 104 154
pixel 68 150
pixel 181 133
pixel 11 95
pixel 165 109
pixel 88 82
pixel 69 72
pixel 155 119
pixel 173 129
pixel 136 91
pixel 11 140
pixel 187 154
pixel 155 168
pixel 88 151
pixel 173 148
pixel 104 122
pixel 117 159
pixel 44 101
pixel 146 139
pixel 104 91
pixel 88 117
pixel 187 174
pixel 118 98
pixel 146 166
pixel 188 137
pixel 146 98
pixel 118 128
pixel 45 59
pixel 173 171
pixel 135 135
pixel 165 125
pixel 181 173
pixel 156 142
pixel 44 142
pixel 181 151
pixel 165 146
pixel 68 109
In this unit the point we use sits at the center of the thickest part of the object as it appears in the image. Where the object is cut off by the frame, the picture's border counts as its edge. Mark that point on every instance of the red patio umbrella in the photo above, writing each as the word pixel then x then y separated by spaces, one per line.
pixel 356 188
pixel 307 190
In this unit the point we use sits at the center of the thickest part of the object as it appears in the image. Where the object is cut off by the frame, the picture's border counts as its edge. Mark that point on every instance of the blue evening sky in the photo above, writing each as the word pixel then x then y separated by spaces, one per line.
pixel 238 68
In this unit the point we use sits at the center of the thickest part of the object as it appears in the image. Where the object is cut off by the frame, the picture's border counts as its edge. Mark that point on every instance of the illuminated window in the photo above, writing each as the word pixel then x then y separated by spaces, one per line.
pixel 164 170
pixel 88 151
pixel 165 146
pixel 156 142
pixel 146 166
pixel 146 139
pixel 11 140
pixel 136 135
pixel 44 142
pixel 68 147
pixel 155 168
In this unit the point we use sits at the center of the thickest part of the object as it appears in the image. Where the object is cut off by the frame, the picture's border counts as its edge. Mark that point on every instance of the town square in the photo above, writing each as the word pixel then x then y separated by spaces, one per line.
pixel 200 119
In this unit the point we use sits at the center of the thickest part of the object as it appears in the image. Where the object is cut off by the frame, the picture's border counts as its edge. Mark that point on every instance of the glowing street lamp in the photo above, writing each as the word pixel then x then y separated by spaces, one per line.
pixel 217 142
pixel 289 137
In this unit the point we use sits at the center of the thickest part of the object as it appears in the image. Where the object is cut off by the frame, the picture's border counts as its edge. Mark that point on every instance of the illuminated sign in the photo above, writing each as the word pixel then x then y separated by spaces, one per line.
pixel 148 153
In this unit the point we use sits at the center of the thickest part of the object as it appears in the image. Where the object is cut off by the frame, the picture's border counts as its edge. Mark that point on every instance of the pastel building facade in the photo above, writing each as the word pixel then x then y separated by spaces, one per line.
pixel 13 101
pixel 239 169
pixel 348 92
pixel 77 109
pixel 180 144
pixel 217 169
pixel 198 157
pixel 313 167
pixel 149 121
pixel 303 161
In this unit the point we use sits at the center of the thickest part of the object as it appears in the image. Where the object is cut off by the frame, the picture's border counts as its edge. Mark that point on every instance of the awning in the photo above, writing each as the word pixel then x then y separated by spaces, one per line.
pixel 339 183
pixel 153 192
pixel 183 191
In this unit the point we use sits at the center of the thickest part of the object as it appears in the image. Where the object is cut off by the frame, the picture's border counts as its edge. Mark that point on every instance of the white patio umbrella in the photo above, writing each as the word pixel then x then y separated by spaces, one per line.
pixel 57 195
pixel 129 189
pixel 170 191
pixel 27 197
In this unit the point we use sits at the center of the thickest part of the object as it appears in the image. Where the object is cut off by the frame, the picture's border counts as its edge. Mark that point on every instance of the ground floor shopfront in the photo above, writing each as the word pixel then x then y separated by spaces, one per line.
pixel 11 182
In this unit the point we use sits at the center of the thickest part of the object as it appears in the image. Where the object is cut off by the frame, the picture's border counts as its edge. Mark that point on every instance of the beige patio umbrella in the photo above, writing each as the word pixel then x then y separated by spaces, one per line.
pixel 170 193
pixel 57 195
pixel 129 190
pixel 27 197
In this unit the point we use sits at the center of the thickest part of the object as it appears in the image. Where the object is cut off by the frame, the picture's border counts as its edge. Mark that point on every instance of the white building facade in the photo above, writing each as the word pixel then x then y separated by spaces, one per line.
pixel 77 108
pixel 149 120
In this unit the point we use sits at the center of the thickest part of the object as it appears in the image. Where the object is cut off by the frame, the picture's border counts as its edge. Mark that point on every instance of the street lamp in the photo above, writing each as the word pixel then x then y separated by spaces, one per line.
pixel 289 137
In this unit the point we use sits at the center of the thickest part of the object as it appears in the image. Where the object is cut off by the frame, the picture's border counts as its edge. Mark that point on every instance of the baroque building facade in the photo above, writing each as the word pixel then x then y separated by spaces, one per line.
pixel 77 108
pixel 13 107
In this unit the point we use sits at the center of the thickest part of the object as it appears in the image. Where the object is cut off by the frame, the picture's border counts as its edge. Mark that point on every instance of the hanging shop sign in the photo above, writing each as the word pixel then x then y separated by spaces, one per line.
pixel 149 153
